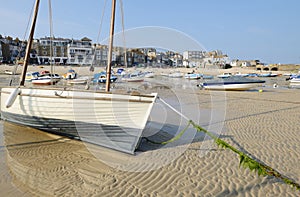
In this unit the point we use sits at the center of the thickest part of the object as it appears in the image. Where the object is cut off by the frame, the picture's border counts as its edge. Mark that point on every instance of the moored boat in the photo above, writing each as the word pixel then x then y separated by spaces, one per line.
pixel 47 79
pixel 232 83
pixel 133 77
pixel 295 80
pixel 79 80
pixel 270 74
pixel 71 74
pixel 224 75
pixel 175 74
pixel 101 78
pixel 31 75
pixel 192 76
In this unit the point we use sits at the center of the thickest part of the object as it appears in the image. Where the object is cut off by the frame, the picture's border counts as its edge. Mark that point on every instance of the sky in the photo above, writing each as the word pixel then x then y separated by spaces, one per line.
pixel 267 30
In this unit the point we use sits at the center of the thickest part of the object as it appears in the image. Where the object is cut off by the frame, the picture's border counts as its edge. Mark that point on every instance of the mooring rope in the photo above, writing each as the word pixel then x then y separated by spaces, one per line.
pixel 245 160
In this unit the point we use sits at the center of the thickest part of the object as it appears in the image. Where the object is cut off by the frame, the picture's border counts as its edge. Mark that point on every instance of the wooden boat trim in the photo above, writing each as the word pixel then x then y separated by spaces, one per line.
pixel 84 98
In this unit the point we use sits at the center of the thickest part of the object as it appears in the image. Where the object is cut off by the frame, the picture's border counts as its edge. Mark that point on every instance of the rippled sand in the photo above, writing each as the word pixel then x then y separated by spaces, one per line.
pixel 264 124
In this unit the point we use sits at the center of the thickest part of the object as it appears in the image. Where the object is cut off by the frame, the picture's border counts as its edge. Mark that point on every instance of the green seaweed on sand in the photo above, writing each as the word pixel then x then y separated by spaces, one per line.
pixel 245 160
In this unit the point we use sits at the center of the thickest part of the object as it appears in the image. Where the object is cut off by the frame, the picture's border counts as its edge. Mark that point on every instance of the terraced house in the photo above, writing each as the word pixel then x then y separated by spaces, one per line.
pixel 43 47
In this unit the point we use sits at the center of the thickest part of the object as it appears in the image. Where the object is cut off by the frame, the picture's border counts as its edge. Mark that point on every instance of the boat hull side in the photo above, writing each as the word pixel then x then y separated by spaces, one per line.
pixel 101 118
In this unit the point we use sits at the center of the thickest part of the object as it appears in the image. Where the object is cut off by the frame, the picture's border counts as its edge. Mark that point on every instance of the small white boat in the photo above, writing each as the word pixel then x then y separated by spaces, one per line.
pixel 295 80
pixel 224 75
pixel 80 80
pixel 176 74
pixel 149 74
pixel 133 77
pixel 238 74
pixel 9 72
pixel 232 83
pixel 268 75
pixel 192 76
pixel 47 79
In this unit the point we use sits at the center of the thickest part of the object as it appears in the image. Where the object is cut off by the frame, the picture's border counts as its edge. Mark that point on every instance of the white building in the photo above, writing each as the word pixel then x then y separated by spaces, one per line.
pixel 193 58
pixel 80 52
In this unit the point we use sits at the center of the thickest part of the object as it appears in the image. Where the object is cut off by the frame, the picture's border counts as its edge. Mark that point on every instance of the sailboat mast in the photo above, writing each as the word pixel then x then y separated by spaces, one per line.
pixel 110 46
pixel 30 40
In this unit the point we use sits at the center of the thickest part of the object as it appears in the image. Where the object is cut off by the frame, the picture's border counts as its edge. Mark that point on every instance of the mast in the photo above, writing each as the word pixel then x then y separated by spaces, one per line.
pixel 30 40
pixel 110 46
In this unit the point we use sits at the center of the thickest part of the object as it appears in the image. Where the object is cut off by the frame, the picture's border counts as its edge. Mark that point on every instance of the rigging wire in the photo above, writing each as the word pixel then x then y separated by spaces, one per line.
pixel 123 32
pixel 51 38
pixel 98 36
pixel 22 42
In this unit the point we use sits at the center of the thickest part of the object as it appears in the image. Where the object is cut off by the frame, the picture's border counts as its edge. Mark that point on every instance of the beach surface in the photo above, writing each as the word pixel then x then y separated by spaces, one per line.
pixel 264 124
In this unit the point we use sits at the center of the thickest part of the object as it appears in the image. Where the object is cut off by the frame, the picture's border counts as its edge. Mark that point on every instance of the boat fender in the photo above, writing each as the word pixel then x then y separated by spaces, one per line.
pixel 275 85
pixel 12 97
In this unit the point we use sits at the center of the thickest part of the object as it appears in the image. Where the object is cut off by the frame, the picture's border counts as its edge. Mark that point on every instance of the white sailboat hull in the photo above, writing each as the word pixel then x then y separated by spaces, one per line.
pixel 111 120
pixel 230 87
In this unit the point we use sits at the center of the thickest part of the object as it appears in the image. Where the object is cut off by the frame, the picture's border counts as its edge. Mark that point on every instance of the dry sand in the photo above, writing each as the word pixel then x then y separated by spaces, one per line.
pixel 265 124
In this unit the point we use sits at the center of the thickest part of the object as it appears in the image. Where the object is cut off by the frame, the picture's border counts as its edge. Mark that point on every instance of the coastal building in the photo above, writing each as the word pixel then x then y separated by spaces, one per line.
pixel 162 58
pixel 80 52
pixel 100 54
pixel 136 56
pixel 193 58
pixel 51 50
pixel 244 63
pixel 11 49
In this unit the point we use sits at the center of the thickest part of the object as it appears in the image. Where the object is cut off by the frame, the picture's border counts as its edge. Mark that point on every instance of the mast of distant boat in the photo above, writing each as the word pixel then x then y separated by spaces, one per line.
pixel 110 47
pixel 30 40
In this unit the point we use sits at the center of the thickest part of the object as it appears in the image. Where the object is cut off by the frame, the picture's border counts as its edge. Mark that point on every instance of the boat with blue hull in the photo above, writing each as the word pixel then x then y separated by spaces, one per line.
pixel 101 78
pixel 232 83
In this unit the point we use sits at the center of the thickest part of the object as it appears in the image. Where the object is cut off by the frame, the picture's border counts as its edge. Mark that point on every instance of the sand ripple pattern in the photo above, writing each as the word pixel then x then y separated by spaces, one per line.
pixel 265 124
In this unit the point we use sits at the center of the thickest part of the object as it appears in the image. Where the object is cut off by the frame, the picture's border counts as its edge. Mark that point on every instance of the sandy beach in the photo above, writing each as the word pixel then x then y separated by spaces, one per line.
pixel 264 124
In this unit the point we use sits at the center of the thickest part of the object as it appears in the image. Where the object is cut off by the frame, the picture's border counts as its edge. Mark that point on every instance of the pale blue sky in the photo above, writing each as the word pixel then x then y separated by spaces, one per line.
pixel 267 30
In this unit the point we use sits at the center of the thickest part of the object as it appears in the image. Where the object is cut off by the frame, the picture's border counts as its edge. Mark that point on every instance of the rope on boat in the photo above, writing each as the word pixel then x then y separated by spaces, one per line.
pixel 245 160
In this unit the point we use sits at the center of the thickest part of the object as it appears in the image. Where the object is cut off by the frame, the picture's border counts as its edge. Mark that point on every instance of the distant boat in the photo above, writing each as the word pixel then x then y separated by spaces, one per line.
pixel 80 80
pixel 232 83
pixel 295 80
pixel 207 76
pixel 9 72
pixel 192 76
pixel 71 74
pixel 101 78
pixel 252 75
pixel 149 74
pixel 176 74
pixel 47 79
pixel 238 74
pixel 120 71
pixel 31 75
pixel 268 75
pixel 133 77
pixel 224 75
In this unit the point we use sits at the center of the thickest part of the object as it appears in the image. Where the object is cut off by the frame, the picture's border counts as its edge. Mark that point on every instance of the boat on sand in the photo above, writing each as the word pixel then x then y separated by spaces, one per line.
pixel 231 83
pixel 113 120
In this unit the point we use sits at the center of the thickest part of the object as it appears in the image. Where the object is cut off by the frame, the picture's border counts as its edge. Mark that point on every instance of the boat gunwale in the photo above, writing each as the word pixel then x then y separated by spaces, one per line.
pixel 82 90
pixel 87 98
